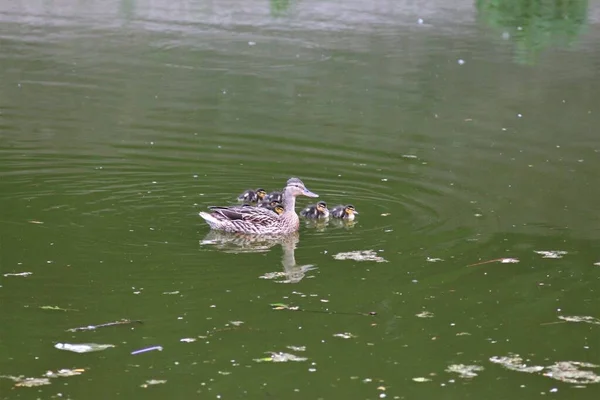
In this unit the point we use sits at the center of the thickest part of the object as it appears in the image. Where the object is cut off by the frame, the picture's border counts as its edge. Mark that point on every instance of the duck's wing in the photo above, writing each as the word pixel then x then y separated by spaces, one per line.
pixel 253 215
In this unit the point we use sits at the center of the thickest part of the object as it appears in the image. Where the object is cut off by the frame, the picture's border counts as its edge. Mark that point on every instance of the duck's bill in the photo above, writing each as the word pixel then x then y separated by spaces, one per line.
pixel 354 212
pixel 308 193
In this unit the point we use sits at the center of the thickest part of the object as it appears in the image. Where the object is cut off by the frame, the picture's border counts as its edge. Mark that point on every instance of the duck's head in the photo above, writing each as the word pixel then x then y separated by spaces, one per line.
pixel 295 187
pixel 321 206
pixel 261 193
pixel 350 210
pixel 278 208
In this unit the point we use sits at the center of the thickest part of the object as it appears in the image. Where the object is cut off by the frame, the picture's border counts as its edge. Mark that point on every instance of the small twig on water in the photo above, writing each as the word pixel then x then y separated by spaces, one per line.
pixel 281 306
pixel 115 323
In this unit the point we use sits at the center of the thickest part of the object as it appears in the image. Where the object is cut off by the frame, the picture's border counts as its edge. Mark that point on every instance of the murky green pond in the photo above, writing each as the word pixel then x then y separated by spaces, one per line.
pixel 466 135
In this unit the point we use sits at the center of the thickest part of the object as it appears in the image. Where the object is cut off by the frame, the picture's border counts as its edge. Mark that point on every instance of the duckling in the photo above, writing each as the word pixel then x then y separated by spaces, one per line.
pixel 268 204
pixel 346 212
pixel 278 209
pixel 316 211
pixel 275 196
pixel 252 196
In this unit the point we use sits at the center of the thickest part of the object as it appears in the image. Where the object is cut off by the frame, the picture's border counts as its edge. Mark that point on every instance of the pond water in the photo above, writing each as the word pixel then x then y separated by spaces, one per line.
pixel 462 134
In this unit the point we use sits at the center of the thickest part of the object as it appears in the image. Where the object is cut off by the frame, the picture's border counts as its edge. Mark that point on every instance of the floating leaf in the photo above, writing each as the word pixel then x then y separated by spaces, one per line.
pixel 583 318
pixel 364 255
pixel 83 347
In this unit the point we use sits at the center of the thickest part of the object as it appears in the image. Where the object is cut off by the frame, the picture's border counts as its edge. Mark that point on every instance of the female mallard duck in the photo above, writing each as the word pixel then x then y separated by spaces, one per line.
pixel 260 220
pixel 253 196
pixel 316 211
pixel 346 212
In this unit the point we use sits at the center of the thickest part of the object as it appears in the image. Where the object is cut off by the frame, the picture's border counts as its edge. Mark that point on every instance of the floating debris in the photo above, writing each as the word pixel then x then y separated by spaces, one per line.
pixel 188 340
pixel 345 335
pixel 583 318
pixel 429 259
pixel 56 308
pixel 421 379
pixel 569 371
pixel 598 263
pixel 23 274
pixel 147 349
pixel 297 348
pixel 115 323
pixel 175 292
pixel 501 260
pixel 515 363
pixel 386 214
pixel 27 382
pixel 463 334
pixel 153 382
pixel 408 156
pixel 425 314
pixel 33 221
pixel 364 255
pixel 551 253
pixel 282 306
pixel 280 357
pixel 465 371
pixel 236 323
pixel 22 381
pixel 64 373
pixel 83 347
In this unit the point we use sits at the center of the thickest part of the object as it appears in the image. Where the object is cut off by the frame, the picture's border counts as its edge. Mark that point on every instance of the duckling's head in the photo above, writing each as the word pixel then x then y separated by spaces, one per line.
pixel 278 208
pixel 321 206
pixel 350 210
pixel 295 187
pixel 261 193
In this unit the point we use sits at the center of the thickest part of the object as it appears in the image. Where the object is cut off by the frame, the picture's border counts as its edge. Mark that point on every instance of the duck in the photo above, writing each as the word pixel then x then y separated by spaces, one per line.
pixel 275 196
pixel 253 196
pixel 269 204
pixel 316 211
pixel 260 220
pixel 346 212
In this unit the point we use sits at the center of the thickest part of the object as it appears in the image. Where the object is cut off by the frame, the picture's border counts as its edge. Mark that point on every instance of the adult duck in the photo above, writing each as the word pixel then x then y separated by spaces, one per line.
pixel 259 220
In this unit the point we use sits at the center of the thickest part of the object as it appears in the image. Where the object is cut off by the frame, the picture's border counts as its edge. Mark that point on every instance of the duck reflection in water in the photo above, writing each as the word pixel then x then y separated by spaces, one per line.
pixel 249 243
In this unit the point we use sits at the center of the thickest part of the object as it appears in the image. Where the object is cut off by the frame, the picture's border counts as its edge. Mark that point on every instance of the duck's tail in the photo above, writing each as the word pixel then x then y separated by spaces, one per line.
pixel 210 220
